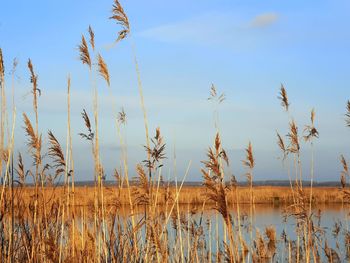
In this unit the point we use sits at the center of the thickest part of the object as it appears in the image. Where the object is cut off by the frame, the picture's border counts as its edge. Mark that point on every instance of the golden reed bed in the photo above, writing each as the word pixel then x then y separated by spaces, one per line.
pixel 195 195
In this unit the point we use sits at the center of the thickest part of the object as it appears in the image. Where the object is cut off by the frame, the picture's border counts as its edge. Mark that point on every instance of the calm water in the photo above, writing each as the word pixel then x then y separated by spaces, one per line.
pixel 325 217
pixel 263 216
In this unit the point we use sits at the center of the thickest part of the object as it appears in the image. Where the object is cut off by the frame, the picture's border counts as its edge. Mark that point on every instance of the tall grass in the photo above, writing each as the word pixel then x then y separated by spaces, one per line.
pixel 144 222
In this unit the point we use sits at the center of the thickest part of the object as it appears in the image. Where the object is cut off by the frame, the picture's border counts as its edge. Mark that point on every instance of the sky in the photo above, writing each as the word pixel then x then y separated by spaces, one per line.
pixel 245 48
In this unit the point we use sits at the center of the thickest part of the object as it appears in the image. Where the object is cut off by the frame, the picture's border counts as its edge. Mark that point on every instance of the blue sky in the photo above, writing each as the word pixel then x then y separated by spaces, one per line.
pixel 246 48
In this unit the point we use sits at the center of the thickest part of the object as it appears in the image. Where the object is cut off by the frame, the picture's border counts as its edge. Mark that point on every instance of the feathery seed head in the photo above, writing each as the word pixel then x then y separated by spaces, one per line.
pixel 294 146
pixel 121 18
pixel 102 68
pixel 214 95
pixel 312 116
pixel 217 142
pixel 84 52
pixel 347 115
pixel 33 77
pixel 92 38
pixel 34 140
pixel 344 164
pixel 56 153
pixel 249 161
pixel 90 135
pixel 121 116
pixel 14 65
pixel 310 129
pixel 2 67
pixel 280 143
pixel 5 155
pixel 20 170
pixel 284 98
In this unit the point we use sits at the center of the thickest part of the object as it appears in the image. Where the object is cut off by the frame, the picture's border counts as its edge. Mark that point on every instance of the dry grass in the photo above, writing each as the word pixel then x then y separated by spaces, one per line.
pixel 194 195
pixel 152 221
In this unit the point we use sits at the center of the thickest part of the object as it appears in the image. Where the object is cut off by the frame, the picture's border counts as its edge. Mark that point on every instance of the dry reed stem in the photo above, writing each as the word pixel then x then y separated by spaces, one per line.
pixel 176 199
pixel 10 153
pixel 119 15
pixel 3 107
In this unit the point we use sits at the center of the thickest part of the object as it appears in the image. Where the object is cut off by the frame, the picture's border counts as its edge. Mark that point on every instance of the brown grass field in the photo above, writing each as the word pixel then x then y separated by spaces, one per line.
pixel 193 195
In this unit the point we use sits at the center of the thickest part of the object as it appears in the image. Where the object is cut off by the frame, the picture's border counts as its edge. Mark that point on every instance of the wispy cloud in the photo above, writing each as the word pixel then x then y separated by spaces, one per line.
pixel 196 29
pixel 223 29
pixel 264 20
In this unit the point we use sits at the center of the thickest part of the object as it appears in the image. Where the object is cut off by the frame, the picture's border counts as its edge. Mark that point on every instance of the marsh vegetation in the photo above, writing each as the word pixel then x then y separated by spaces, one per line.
pixel 154 221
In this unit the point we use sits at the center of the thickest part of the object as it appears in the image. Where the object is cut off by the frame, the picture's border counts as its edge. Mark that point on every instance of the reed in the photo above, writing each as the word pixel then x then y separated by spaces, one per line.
pixel 347 114
pixel 147 219
pixel 249 163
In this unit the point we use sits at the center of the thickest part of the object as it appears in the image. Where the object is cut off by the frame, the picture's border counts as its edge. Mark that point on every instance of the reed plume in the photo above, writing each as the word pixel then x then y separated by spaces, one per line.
pixel 294 146
pixel 345 165
pixel 347 114
pixel 55 151
pixel 92 38
pixel 215 96
pixel 249 162
pixel 34 141
pixel 121 18
pixel 142 192
pixel 121 118
pixel 217 194
pixel 20 170
pixel 270 233
pixel 2 67
pixel 217 191
pixel 311 131
pixel 282 146
pixel 4 155
pixel 84 52
pixel 103 69
pixel 156 153
pixel 90 135
pixel 265 247
pixel 284 98
pixel 33 76
pixel 35 90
